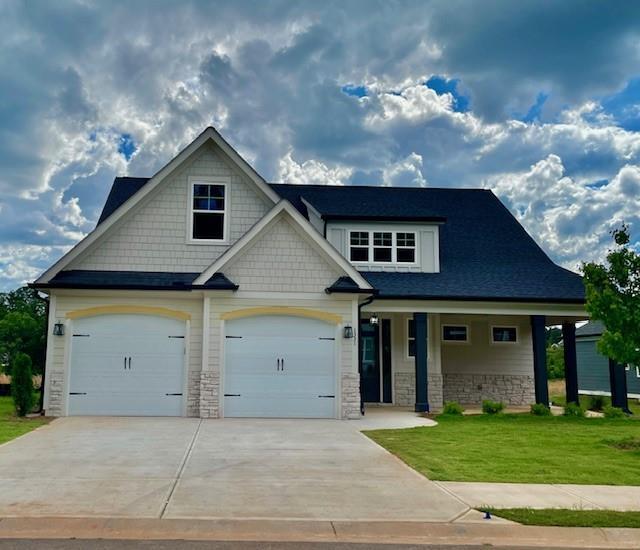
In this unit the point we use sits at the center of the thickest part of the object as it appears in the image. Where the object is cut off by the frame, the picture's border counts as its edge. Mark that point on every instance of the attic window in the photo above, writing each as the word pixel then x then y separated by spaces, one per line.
pixel 208 212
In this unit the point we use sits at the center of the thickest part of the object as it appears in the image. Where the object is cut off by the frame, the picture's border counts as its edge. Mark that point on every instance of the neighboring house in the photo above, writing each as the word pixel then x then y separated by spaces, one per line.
pixel 206 291
pixel 593 367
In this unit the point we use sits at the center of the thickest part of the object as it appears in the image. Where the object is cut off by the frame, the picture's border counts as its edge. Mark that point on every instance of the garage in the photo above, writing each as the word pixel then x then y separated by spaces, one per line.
pixel 280 366
pixel 127 365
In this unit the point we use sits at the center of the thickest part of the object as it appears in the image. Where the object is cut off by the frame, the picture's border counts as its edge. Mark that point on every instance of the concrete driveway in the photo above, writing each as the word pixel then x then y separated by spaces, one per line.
pixel 188 468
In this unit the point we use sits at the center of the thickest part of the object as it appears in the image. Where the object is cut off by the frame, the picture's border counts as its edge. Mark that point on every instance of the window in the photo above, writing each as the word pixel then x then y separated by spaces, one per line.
pixel 455 333
pixel 208 212
pixel 411 338
pixel 359 246
pixel 382 247
pixel 504 335
pixel 406 247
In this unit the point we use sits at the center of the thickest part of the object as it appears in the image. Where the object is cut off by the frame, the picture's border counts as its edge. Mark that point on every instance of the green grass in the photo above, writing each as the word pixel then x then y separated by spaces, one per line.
pixel 568 518
pixel 11 426
pixel 519 448
pixel 560 401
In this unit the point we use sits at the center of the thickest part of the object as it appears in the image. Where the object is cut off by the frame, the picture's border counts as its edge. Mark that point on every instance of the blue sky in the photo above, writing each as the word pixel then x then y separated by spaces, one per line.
pixel 539 101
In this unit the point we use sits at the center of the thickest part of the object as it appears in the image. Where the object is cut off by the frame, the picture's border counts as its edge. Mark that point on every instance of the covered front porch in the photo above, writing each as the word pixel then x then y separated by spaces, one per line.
pixel 423 354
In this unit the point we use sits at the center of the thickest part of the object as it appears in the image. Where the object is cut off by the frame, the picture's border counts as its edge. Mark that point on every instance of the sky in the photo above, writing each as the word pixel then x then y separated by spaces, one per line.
pixel 537 100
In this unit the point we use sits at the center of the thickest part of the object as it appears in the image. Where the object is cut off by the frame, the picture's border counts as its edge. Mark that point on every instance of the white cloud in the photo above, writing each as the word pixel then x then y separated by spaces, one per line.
pixel 311 172
pixel 405 173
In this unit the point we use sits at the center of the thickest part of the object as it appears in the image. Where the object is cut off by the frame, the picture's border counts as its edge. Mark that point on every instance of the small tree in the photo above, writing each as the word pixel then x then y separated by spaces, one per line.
pixel 613 297
pixel 22 384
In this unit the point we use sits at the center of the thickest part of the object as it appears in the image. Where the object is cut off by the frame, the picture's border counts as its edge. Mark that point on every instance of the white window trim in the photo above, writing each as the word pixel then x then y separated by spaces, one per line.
pixel 455 342
pixel 406 340
pixel 394 247
pixel 502 342
pixel 223 181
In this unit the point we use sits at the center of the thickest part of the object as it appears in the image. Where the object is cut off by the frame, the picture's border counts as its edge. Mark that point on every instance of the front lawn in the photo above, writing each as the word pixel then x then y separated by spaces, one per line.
pixel 520 448
pixel 11 426
pixel 568 518
pixel 585 400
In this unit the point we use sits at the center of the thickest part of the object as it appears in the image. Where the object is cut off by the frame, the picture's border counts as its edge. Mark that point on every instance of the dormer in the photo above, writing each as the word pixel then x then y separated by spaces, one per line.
pixel 387 246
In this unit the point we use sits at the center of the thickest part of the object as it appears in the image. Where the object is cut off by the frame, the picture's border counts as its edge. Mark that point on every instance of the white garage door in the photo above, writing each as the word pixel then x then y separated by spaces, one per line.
pixel 279 366
pixel 129 365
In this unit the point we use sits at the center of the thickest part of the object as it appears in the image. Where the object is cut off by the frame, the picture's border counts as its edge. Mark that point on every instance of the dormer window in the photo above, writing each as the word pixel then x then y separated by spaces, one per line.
pixel 208 211
pixel 382 247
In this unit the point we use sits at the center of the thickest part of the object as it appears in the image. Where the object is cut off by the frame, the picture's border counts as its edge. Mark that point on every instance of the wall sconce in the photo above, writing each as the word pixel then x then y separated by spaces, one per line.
pixel 58 329
pixel 373 320
pixel 348 331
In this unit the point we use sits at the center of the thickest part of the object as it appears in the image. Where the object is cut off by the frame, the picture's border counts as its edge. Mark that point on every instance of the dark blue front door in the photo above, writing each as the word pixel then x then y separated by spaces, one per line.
pixel 370 363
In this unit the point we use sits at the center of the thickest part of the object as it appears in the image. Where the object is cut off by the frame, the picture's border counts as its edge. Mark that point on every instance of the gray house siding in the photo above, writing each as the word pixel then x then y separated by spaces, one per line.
pixel 593 370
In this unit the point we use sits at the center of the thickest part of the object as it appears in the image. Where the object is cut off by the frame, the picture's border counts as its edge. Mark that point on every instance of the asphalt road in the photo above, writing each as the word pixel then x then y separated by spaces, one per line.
pixel 98 544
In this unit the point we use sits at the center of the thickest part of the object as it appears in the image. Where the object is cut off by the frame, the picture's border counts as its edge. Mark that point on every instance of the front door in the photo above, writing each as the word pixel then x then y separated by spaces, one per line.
pixel 370 363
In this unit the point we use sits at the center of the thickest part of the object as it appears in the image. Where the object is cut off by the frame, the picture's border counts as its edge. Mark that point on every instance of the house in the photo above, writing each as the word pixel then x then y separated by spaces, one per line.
pixel 593 367
pixel 206 291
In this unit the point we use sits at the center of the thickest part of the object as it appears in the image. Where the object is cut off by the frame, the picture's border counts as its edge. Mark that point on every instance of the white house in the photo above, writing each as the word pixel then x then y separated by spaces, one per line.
pixel 206 291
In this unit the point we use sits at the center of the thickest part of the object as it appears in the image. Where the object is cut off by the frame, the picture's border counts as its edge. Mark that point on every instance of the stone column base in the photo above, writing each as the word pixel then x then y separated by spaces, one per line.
pixel 405 390
pixel 209 394
pixel 350 396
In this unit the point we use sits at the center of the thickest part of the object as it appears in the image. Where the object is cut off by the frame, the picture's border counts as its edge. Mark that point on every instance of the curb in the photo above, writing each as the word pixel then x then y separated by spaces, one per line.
pixel 380 532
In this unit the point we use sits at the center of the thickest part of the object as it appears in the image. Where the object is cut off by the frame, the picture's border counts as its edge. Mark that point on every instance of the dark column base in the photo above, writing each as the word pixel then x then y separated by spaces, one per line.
pixel 618 382
pixel 422 407
pixel 540 359
pixel 420 328
pixel 570 362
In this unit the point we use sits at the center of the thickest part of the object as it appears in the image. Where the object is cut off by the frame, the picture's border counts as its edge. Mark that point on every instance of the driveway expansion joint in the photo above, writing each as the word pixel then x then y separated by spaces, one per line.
pixel 181 468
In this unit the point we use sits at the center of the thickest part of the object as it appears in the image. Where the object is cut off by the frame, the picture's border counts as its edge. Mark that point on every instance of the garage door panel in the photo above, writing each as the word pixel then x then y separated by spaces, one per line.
pixel 127 365
pixel 280 367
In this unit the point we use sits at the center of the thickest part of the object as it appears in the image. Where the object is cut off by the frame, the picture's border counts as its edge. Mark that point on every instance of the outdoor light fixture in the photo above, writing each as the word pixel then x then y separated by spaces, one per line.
pixel 58 329
pixel 348 331
pixel 373 320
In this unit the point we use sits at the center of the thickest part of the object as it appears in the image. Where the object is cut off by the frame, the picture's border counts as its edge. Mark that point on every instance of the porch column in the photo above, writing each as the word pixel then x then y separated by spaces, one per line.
pixel 618 382
pixel 420 325
pixel 540 359
pixel 570 362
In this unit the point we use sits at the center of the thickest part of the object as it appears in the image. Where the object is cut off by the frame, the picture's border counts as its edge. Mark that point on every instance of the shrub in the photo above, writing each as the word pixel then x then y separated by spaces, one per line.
pixel 22 384
pixel 555 363
pixel 597 402
pixel 492 407
pixel 573 409
pixel 614 412
pixel 540 409
pixel 452 408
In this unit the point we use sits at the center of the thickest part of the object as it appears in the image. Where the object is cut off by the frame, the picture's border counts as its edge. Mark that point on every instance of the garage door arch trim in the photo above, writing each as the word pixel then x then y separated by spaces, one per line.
pixel 129 309
pixel 331 318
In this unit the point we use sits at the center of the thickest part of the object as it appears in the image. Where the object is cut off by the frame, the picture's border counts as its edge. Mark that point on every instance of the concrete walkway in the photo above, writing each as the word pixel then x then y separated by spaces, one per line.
pixel 534 495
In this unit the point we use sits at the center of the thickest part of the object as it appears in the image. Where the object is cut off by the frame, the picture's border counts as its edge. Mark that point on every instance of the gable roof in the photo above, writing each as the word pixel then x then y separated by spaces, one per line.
pixel 485 253
pixel 592 328
pixel 117 211
pixel 121 190
pixel 284 207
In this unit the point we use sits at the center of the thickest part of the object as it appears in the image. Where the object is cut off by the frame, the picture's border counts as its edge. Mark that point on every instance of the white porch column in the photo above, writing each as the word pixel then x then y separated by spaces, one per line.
pixel 209 379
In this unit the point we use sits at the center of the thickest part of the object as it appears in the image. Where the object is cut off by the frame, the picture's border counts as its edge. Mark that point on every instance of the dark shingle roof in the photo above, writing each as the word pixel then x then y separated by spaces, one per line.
pixel 121 190
pixel 484 251
pixel 345 284
pixel 592 328
pixel 135 280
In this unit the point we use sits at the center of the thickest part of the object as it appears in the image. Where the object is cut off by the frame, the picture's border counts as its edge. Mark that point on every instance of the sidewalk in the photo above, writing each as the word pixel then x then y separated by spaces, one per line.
pixel 537 495
pixel 381 532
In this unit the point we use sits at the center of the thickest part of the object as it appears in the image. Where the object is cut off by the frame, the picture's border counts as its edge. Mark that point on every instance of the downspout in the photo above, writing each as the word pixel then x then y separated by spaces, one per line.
pixel 360 306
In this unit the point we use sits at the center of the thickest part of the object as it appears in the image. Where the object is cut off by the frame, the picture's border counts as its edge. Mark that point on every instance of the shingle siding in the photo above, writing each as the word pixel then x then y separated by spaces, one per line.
pixel 281 261
pixel 153 235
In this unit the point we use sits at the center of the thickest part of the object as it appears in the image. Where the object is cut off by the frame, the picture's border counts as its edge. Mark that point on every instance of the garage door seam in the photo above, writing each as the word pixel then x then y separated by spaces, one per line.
pixel 181 469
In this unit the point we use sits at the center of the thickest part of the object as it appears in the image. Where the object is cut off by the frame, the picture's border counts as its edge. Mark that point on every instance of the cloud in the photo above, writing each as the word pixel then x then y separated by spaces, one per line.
pixel 364 92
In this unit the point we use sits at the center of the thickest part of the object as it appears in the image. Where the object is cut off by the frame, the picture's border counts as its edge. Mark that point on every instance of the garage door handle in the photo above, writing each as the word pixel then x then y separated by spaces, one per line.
pixel 129 363
pixel 282 364
pixel 278 364
pixel 125 363
pixel 327 396
pixel 77 393
pixel 232 395
pixel 173 394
